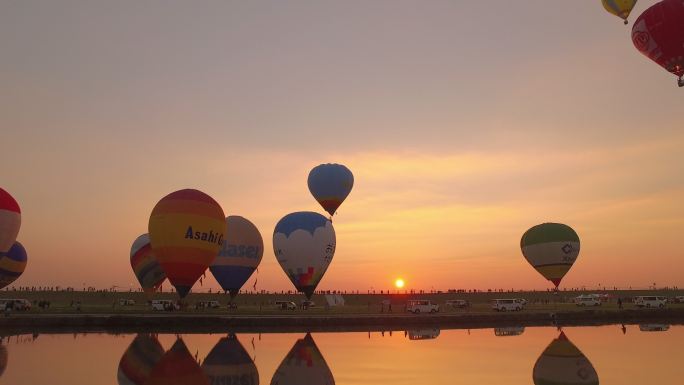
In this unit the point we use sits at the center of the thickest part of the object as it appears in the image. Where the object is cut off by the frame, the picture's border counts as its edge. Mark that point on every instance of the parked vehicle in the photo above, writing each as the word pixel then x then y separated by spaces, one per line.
pixel 587 300
pixel 208 305
pixel 416 306
pixel 164 304
pixel 457 303
pixel 126 302
pixel 285 305
pixel 523 301
pixel 507 305
pixel 650 301
pixel 678 299
pixel 307 304
pixel 17 304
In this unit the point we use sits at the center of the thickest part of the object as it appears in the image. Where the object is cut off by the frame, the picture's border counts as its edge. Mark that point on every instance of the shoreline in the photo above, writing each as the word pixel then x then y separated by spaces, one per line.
pixel 17 323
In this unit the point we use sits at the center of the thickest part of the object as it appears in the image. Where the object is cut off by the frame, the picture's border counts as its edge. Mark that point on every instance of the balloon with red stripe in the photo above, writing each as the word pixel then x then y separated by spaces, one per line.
pixel 10 220
pixel 145 266
pixel 177 367
pixel 187 229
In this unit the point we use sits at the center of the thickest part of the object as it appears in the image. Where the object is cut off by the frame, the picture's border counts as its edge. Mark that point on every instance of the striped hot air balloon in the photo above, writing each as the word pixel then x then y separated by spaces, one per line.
pixel 138 360
pixel 619 8
pixel 304 245
pixel 551 248
pixel 239 256
pixel 10 220
pixel 177 367
pixel 304 364
pixel 12 264
pixel 562 363
pixel 187 229
pixel 3 358
pixel 330 184
pixel 229 363
pixel 145 266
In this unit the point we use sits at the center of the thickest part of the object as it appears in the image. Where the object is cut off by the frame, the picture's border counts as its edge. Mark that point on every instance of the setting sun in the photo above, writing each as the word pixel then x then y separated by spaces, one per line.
pixel 399 283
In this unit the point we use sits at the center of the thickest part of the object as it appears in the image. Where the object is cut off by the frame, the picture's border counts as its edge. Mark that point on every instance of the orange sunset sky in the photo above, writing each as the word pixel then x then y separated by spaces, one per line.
pixel 464 123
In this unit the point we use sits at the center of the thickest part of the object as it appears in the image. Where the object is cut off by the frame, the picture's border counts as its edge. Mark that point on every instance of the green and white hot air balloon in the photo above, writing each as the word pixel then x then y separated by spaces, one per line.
pixel 551 248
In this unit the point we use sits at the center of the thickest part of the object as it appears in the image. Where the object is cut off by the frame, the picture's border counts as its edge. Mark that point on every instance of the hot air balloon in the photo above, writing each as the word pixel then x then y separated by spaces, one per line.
pixel 138 360
pixel 229 363
pixel 304 364
pixel 619 8
pixel 10 220
pixel 304 245
pixel 12 264
pixel 145 266
pixel 551 248
pixel 330 184
pixel 239 256
pixel 177 367
pixel 659 34
pixel 562 363
pixel 186 229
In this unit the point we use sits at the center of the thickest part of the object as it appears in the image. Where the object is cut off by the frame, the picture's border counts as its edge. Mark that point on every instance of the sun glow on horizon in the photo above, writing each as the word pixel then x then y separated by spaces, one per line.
pixel 399 283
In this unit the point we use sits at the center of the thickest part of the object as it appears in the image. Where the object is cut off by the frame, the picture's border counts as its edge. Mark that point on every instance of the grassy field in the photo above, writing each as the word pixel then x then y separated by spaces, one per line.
pixel 253 304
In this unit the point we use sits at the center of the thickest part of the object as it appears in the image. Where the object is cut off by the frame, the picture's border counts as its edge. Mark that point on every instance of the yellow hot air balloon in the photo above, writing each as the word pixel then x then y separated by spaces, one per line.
pixel 619 8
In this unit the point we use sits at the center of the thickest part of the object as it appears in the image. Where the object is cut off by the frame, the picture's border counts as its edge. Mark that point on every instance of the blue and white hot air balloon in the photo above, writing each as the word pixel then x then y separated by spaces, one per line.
pixel 304 245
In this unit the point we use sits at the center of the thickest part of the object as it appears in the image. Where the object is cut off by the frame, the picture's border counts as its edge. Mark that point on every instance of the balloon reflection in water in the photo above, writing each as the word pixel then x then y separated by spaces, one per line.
pixel 562 363
pixel 3 359
pixel 177 367
pixel 229 363
pixel 139 359
pixel 304 364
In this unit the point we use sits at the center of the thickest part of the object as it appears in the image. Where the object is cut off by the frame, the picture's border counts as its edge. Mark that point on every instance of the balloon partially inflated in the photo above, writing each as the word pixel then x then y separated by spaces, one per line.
pixel 551 248
pixel 229 363
pixel 138 360
pixel 304 245
pixel 304 364
pixel 562 363
pixel 239 256
pixel 177 367
pixel 330 184
pixel 145 266
pixel 658 33
pixel 10 220
pixel 619 8
pixel 12 264
pixel 187 229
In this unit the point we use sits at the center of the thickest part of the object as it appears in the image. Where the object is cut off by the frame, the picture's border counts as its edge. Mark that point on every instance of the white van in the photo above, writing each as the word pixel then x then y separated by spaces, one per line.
pixel 416 306
pixel 650 301
pixel 164 304
pixel 587 300
pixel 126 302
pixel 507 305
pixel 286 305
pixel 457 303
pixel 207 305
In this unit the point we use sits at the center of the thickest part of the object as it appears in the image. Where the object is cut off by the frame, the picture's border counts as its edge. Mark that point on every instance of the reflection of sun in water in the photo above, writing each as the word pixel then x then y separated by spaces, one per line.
pixel 399 283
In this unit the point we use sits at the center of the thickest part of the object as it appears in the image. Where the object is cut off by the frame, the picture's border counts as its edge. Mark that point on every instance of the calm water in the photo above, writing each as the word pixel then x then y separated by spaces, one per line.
pixel 650 354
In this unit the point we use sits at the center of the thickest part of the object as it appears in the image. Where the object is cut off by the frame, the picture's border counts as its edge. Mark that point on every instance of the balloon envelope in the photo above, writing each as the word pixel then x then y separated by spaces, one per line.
pixel 186 229
pixel 304 364
pixel 619 8
pixel 330 184
pixel 145 266
pixel 229 363
pixel 304 245
pixel 551 248
pixel 562 363
pixel 239 256
pixel 658 33
pixel 177 367
pixel 12 264
pixel 3 359
pixel 10 220
pixel 138 360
